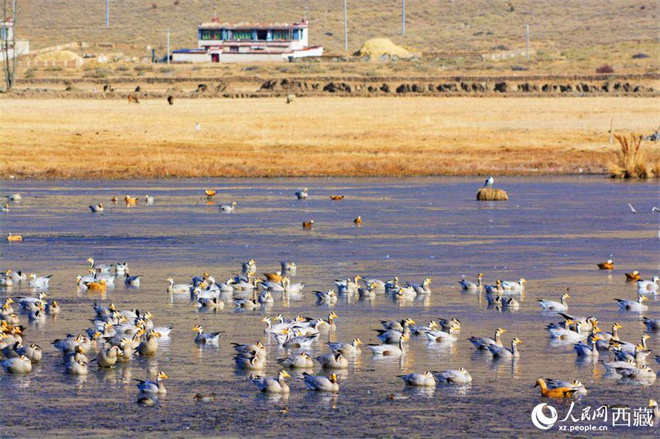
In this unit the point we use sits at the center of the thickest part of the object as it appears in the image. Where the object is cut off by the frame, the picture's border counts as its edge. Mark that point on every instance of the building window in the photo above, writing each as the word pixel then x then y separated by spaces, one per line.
pixel 280 35
pixel 242 35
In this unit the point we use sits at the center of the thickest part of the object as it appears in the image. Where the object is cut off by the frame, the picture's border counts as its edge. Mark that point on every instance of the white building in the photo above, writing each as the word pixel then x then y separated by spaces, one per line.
pixel 248 42
pixel 7 37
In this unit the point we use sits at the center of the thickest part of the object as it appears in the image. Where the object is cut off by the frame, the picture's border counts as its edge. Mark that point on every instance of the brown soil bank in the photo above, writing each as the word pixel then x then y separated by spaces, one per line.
pixel 254 87
pixel 380 136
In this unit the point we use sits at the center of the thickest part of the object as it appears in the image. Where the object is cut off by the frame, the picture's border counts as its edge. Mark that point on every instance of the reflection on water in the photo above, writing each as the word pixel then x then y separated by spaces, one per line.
pixel 552 232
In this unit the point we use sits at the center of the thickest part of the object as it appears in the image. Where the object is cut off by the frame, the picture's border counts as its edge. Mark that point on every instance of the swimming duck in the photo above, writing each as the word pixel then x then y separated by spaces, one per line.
pixel 639 355
pixel 76 368
pixel 348 350
pixel 425 379
pixel 392 336
pixel 441 336
pixel 6 279
pixel 14 238
pixel 70 343
pixel 300 361
pixel 248 348
pixel 228 208
pixel 292 288
pixel 388 350
pixel 18 276
pixel 557 384
pixel 130 201
pixel 502 352
pixel 37 316
pixel 178 288
pixel 509 304
pixel 570 334
pixel 482 343
pixel 308 224
pixel 632 276
pixel 210 303
pixel 273 385
pixel 321 383
pixel 454 324
pixel 148 200
pixel 337 197
pixel 648 286
pixel 586 350
pixel 424 288
pixel 460 376
pixel 653 405
pixel 421 329
pixel 100 268
pixel 631 305
pixel 494 289
pixel 630 347
pixel 114 200
pixel 300 341
pixel 550 305
pixel 328 297
pixel 32 303
pixel 14 197
pixel 333 360
pixel 153 387
pixel 588 323
pixel 514 287
pixel 52 308
pixel 289 268
pixel 302 194
pixel 559 392
pixel 97 287
pixel 205 337
pixel 209 193
pixel 33 352
pixel 358 221
pixel 250 361
pixel 614 335
pixel 204 398
pixel 98 208
pixel 149 346
pixel 121 268
pixel 108 357
pixel 607 265
pixel 467 285
pixel 652 324
pixel 348 286
pixel 5 207
pixel 131 281
pixel 17 365
pixel 274 277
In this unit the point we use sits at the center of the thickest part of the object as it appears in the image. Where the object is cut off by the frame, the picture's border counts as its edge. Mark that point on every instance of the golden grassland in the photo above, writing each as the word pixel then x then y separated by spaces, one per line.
pixel 567 37
pixel 73 138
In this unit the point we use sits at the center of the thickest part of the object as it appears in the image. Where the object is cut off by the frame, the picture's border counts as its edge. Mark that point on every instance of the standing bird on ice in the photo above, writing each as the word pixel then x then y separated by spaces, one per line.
pixel 489 182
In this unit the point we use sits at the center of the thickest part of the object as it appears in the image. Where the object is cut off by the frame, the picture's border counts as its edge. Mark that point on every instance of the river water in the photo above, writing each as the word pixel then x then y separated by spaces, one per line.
pixel 552 232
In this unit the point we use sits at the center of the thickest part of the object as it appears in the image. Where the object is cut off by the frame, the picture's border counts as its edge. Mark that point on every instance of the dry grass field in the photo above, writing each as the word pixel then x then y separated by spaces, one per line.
pixel 567 37
pixel 316 136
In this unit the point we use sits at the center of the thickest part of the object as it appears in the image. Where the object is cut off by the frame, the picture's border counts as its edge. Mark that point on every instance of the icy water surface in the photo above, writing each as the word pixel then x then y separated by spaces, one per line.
pixel 552 232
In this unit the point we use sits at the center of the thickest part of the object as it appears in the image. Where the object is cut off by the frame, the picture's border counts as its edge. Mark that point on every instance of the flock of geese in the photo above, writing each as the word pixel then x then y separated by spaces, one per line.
pixel 116 336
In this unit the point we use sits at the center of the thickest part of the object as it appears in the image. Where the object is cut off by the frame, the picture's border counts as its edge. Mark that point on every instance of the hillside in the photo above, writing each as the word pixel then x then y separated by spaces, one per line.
pixel 578 30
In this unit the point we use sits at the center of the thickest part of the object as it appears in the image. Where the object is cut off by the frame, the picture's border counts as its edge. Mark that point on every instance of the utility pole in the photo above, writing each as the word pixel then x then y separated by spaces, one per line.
pixel 345 28
pixel 527 38
pixel 107 14
pixel 403 17
pixel 168 46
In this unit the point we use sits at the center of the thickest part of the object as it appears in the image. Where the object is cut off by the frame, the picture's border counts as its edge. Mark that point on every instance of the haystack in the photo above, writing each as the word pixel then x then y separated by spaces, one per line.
pixel 492 194
pixel 378 47
pixel 59 55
